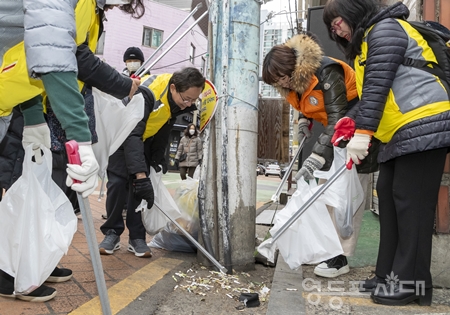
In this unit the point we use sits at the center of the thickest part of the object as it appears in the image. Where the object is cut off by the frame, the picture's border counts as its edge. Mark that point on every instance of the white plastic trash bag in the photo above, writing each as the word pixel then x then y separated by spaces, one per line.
pixel 37 224
pixel 309 240
pixel 196 174
pixel 153 219
pixel 345 194
pixel 171 237
pixel 113 123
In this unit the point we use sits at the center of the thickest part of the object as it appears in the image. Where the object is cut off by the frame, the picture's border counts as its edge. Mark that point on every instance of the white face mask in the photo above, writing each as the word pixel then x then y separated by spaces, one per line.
pixel 133 66
pixel 117 2
pixel 191 131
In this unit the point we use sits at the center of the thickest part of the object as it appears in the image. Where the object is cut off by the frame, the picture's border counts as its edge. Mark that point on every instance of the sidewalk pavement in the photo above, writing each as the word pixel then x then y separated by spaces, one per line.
pixel 296 292
pixel 127 277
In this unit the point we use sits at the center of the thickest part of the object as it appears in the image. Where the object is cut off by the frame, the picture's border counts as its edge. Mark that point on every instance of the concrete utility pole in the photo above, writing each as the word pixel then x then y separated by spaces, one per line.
pixel 236 38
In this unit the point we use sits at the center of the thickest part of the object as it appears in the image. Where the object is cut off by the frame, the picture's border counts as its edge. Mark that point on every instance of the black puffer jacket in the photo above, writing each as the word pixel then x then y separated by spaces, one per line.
pixel 11 151
pixel 336 106
pixel 387 45
pixel 311 62
pixel 96 73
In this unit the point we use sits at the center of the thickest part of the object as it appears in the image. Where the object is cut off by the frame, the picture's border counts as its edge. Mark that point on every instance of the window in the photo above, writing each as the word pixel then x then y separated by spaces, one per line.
pixel 192 54
pixel 100 45
pixel 152 37
pixel 203 65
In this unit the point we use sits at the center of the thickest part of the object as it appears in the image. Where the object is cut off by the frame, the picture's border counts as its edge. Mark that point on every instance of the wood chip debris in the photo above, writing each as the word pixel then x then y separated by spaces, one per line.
pixel 219 283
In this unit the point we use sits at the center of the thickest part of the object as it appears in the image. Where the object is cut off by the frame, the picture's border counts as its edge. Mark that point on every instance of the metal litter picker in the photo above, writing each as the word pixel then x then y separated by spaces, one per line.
pixel 271 241
pixel 196 244
pixel 276 196
pixel 74 158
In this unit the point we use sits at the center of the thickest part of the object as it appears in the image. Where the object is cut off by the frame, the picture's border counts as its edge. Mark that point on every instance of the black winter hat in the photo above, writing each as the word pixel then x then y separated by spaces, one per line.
pixel 133 53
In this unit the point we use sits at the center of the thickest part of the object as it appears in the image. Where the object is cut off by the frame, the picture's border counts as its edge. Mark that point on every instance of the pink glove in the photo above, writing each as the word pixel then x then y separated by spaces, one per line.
pixel 344 130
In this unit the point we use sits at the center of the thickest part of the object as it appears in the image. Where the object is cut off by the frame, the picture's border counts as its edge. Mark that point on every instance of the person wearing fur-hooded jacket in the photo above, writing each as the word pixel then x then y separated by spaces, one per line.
pixel 323 89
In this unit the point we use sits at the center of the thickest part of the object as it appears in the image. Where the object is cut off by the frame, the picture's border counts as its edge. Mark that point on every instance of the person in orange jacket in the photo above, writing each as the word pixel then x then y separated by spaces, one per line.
pixel 322 89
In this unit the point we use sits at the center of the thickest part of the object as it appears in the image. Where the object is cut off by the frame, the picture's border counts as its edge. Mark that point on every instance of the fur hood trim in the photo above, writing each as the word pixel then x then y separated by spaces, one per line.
pixel 309 57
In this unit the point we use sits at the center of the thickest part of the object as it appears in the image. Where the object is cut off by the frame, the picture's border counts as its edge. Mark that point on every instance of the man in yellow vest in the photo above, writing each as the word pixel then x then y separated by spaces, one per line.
pixel 168 96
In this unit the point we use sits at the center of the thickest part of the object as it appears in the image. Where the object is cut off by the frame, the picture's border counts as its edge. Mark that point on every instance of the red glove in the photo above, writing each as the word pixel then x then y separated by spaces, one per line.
pixel 344 130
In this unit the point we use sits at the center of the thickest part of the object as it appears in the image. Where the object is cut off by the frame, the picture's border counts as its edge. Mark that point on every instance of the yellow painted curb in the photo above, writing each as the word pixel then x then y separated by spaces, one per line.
pixel 127 290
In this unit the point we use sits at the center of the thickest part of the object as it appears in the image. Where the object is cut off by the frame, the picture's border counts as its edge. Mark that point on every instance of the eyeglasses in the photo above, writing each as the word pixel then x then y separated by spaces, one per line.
pixel 188 101
pixel 336 26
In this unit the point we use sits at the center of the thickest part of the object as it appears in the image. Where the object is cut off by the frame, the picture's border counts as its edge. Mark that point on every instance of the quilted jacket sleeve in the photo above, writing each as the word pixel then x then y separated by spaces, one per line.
pixel 335 99
pixel 387 44
pixel 50 36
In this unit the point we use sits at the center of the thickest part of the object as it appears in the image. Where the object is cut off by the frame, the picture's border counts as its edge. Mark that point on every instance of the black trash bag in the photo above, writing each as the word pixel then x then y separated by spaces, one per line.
pixel 169 240
pixel 250 299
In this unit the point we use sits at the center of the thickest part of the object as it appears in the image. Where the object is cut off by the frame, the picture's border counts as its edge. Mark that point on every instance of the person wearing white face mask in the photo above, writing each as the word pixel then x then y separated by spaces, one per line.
pixel 133 58
pixel 189 153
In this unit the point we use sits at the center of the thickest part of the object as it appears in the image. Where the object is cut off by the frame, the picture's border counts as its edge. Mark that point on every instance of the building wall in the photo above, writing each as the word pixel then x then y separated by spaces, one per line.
pixel 122 31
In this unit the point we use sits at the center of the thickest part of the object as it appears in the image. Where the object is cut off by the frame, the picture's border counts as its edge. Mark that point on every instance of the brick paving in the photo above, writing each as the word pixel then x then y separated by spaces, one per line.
pixel 82 287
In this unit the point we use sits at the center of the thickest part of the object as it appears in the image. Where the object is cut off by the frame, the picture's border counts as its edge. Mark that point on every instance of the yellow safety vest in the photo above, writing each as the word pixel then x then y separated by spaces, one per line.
pixel 397 114
pixel 159 85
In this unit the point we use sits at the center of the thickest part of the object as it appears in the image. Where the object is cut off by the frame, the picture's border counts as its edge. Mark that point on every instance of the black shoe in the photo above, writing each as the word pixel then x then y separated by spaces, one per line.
pixel 391 294
pixel 332 267
pixel 41 294
pixel 369 285
pixel 60 275
pixel 6 285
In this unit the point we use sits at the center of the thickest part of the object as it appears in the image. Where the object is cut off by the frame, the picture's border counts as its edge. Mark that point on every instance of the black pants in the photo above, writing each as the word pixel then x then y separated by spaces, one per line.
pixel 190 171
pixel 408 189
pixel 117 195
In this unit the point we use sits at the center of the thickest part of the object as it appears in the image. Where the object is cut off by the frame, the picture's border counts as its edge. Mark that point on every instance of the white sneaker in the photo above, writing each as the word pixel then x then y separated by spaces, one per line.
pixel 332 267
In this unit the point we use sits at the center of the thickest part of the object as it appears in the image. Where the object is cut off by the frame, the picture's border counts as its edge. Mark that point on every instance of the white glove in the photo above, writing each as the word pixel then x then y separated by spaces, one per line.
pixel 312 163
pixel 36 135
pixel 86 173
pixel 358 148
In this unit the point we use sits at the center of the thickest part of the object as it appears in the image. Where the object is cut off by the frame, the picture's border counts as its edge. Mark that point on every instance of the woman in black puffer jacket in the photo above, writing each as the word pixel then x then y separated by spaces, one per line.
pixel 408 110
